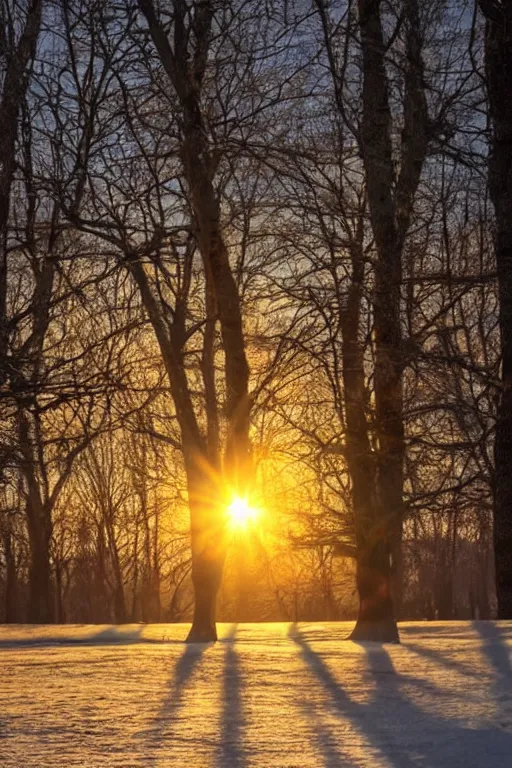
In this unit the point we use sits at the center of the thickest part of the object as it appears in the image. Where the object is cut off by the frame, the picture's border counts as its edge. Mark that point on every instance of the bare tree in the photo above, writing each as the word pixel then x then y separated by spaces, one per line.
pixel 17 55
pixel 185 63
pixel 498 69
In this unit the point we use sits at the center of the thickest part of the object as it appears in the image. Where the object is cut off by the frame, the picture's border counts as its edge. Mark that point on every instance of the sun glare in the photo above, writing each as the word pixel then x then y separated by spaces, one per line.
pixel 241 513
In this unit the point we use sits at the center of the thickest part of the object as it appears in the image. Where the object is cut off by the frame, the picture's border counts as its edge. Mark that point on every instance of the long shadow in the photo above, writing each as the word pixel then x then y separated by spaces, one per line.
pixel 403 732
pixel 160 728
pixel 159 732
pixel 325 739
pixel 498 656
pixel 183 671
pixel 357 713
pixel 437 658
pixel 231 751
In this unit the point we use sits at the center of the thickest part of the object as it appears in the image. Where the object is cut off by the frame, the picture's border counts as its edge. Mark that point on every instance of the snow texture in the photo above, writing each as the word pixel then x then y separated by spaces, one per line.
pixel 264 696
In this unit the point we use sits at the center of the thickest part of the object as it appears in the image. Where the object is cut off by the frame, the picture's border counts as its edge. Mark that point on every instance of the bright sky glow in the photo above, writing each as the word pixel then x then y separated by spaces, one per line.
pixel 240 512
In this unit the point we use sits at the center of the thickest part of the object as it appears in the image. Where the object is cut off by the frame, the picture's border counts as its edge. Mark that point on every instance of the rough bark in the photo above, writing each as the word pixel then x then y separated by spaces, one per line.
pixel 498 66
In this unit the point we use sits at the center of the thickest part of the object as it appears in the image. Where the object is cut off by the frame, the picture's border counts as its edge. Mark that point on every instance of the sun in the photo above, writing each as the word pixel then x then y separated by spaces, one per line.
pixel 240 512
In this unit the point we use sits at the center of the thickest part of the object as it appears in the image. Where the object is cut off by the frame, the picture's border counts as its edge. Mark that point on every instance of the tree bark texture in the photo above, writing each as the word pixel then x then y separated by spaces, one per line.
pixel 498 67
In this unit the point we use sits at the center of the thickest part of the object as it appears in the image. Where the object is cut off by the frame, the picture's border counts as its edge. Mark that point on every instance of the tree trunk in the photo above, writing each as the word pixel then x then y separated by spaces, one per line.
pixel 119 605
pixel 206 577
pixel 208 554
pixel 41 609
pixel 155 572
pixel 373 571
pixel 119 601
pixel 376 620
pixel 498 60
pixel 206 526
pixel 390 200
pixel 185 63
pixel 397 568
pixel 60 615
pixel 11 581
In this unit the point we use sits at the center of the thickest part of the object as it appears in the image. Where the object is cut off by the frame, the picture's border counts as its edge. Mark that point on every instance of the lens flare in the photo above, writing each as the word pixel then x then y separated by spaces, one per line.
pixel 240 512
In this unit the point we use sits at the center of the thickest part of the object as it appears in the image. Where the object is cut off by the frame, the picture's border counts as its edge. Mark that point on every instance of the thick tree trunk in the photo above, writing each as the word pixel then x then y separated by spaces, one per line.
pixel 376 620
pixel 498 54
pixel 373 572
pixel 390 199
pixel 206 578
pixel 119 605
pixel 208 554
pixel 41 608
pixel 503 498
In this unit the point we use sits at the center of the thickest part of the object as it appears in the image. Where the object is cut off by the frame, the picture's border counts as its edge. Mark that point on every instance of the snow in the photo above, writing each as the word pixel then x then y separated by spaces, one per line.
pixel 264 696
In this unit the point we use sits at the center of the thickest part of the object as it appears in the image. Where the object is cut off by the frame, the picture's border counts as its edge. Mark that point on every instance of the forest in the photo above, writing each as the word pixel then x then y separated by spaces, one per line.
pixel 255 311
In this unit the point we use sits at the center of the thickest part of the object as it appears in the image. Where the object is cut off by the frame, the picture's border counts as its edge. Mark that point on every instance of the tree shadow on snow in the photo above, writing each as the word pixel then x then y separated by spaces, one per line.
pixel 232 721
pixel 438 658
pixel 396 726
pixel 162 724
pixel 182 673
pixel 497 654
pixel 231 752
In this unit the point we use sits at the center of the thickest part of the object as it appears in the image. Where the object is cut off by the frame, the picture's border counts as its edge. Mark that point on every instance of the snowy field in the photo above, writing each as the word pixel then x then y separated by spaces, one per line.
pixel 266 695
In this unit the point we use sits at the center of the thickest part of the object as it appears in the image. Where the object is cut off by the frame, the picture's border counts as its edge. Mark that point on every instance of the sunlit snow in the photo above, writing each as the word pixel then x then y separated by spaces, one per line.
pixel 266 695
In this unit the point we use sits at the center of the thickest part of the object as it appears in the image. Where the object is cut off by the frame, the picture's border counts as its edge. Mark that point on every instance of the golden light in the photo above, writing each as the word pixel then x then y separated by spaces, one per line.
pixel 240 512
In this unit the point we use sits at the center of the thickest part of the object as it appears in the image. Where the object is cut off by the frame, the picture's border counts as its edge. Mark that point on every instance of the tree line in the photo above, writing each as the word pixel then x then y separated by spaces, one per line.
pixel 255 249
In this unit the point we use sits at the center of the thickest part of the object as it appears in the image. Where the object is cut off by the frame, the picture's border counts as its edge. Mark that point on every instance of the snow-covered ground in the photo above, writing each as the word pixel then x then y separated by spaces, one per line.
pixel 265 695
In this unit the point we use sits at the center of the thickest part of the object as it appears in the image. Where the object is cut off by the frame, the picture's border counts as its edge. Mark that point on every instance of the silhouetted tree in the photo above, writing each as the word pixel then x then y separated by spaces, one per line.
pixel 498 70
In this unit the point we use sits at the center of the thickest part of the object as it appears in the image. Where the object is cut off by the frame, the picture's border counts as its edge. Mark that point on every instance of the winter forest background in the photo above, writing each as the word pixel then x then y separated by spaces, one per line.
pixel 314 173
